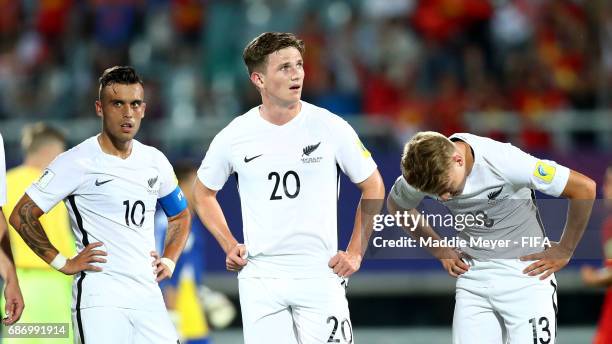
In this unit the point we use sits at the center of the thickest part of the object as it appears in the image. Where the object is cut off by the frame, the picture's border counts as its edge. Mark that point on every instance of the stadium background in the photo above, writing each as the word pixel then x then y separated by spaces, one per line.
pixel 536 73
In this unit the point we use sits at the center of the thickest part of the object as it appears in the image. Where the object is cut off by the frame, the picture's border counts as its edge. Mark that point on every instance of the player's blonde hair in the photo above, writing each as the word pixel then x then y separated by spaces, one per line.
pixel 426 161
pixel 37 135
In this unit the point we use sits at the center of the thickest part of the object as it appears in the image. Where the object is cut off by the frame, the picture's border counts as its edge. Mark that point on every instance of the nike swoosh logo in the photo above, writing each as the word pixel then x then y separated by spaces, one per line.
pixel 98 183
pixel 249 159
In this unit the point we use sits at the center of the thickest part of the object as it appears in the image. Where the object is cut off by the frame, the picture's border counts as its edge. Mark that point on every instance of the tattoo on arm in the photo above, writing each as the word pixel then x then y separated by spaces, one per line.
pixel 33 233
pixel 173 232
pixel 176 235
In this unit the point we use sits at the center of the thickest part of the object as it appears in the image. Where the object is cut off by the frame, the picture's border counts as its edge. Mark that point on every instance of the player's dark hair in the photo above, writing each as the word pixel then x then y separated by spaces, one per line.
pixel 426 161
pixel 38 135
pixel 256 53
pixel 124 75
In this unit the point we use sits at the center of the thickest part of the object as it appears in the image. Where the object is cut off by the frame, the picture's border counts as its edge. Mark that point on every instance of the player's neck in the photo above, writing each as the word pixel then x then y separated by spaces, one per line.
pixel 35 162
pixel 278 114
pixel 114 147
pixel 469 158
pixel 38 160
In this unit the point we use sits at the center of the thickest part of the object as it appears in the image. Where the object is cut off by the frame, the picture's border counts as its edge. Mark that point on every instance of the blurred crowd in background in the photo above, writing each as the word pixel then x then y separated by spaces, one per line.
pixel 418 64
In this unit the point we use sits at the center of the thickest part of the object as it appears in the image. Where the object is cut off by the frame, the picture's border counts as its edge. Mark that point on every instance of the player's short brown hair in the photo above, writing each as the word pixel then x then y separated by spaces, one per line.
pixel 124 75
pixel 255 55
pixel 426 161
pixel 38 135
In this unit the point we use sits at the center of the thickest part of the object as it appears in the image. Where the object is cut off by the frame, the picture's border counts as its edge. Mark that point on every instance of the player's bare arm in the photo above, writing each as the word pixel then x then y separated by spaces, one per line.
pixel 176 237
pixel 25 221
pixel 209 210
pixel 580 190
pixel 12 294
pixel 346 263
pixel 450 259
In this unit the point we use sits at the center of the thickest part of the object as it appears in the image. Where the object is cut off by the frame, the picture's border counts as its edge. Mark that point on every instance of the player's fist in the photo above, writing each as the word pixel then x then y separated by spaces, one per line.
pixel 236 258
pixel 345 264
pixel 160 270
pixel 14 301
pixel 83 261
pixel 453 264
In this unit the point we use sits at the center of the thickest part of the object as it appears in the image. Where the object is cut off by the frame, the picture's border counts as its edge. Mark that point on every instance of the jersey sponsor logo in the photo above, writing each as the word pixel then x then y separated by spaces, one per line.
pixel 45 178
pixel 309 149
pixel 493 194
pixel 98 182
pixel 247 160
pixel 152 181
pixel 544 171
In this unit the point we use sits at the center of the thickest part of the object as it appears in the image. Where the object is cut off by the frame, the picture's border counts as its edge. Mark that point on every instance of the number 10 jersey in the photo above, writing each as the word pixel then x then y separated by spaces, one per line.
pixel 112 201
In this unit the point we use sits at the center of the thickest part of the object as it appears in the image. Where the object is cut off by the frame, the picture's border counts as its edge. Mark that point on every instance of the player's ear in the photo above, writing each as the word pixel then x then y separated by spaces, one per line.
pixel 257 79
pixel 99 108
pixel 458 159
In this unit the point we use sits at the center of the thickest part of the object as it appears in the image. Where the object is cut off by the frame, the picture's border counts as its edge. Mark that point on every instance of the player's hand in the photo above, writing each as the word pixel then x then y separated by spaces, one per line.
pixel 83 260
pixel 345 264
pixel 589 276
pixel 14 302
pixel 236 258
pixel 453 264
pixel 548 261
pixel 160 270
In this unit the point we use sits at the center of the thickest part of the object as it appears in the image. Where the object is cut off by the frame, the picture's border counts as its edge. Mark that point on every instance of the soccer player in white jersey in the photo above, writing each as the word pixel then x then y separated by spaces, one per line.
pixel 505 295
pixel 111 184
pixel 12 293
pixel 287 155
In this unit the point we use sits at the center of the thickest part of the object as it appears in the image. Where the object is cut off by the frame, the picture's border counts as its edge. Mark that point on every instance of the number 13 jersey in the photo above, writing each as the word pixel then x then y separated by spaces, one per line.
pixel 288 181
pixel 112 201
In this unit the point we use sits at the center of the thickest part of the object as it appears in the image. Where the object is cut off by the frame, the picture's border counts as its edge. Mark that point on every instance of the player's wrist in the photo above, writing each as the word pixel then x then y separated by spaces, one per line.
pixel 59 262
pixel 567 248
pixel 355 254
pixel 230 246
pixel 169 263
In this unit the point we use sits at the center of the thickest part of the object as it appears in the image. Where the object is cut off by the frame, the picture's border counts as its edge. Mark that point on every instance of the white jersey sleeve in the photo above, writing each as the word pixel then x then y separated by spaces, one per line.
pixel 216 166
pixel 2 174
pixel 57 181
pixel 523 169
pixel 352 156
pixel 404 195
pixel 168 181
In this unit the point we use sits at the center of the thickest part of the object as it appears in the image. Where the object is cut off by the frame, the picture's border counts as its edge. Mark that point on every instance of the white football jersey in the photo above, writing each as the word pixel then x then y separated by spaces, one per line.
pixel 499 187
pixel 2 174
pixel 112 201
pixel 288 180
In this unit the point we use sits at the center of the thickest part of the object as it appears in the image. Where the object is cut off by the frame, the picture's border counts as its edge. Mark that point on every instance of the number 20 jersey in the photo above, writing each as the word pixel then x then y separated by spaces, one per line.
pixel 288 180
pixel 112 201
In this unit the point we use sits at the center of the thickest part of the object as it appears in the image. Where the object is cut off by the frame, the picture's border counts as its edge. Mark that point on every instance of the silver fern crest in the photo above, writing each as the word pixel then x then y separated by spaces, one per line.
pixel 309 149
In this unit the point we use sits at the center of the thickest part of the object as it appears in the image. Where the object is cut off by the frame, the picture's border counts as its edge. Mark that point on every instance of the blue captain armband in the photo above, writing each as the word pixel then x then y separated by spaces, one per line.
pixel 173 203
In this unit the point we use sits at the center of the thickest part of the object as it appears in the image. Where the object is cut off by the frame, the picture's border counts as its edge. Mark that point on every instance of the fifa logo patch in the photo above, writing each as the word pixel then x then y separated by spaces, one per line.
pixel 364 151
pixel 45 179
pixel 544 171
